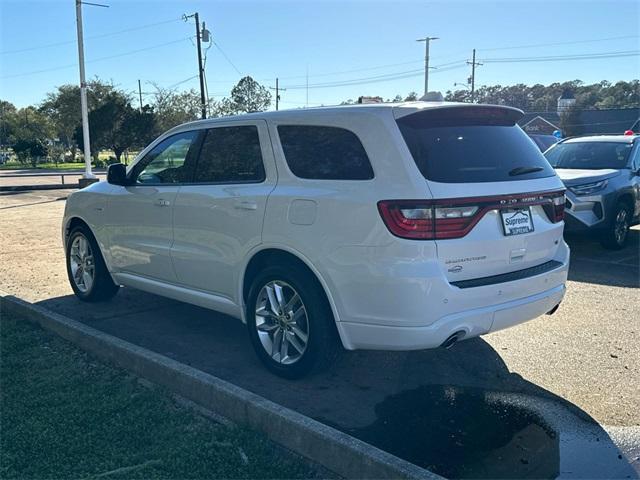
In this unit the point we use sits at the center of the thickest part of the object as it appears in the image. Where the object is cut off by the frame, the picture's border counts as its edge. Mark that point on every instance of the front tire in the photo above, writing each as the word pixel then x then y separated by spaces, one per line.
pixel 290 322
pixel 617 233
pixel 87 272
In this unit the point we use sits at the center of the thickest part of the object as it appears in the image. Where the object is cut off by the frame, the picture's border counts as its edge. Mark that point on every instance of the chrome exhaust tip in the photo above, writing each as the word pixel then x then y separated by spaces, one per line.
pixel 553 310
pixel 452 340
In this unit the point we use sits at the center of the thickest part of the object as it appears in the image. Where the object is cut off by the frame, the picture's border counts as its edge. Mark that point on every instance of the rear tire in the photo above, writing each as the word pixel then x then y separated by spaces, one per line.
pixel 87 272
pixel 290 323
pixel 617 233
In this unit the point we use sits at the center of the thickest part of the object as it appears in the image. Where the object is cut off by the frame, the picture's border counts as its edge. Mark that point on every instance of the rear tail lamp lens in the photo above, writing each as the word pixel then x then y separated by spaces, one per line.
pixel 454 218
pixel 427 221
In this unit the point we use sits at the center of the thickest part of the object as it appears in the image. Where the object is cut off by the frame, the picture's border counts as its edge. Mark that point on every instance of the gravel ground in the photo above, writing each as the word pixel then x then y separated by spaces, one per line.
pixel 587 353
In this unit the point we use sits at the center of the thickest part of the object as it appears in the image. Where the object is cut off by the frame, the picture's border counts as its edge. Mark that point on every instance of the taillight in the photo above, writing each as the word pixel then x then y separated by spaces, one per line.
pixel 426 221
pixel 454 218
pixel 559 201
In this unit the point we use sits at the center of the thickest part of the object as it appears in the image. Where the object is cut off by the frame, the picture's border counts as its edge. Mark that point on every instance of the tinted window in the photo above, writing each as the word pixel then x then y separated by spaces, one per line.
pixel 476 144
pixel 230 155
pixel 327 153
pixel 589 155
pixel 169 162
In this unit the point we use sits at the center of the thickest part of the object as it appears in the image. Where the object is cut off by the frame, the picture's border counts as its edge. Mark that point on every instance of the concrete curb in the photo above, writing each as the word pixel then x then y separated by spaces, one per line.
pixel 335 450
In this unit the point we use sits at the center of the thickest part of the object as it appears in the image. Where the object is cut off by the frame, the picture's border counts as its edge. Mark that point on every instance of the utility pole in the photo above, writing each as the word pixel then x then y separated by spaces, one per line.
pixel 203 104
pixel 307 102
pixel 200 34
pixel 472 79
pixel 277 90
pixel 140 94
pixel 427 41
pixel 88 175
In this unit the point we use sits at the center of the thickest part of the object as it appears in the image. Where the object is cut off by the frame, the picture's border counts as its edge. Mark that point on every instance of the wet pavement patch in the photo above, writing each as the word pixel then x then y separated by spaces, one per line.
pixel 458 433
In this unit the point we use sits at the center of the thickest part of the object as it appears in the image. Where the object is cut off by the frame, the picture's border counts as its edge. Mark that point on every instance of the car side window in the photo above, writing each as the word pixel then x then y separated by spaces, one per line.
pixel 230 155
pixel 168 162
pixel 635 160
pixel 324 153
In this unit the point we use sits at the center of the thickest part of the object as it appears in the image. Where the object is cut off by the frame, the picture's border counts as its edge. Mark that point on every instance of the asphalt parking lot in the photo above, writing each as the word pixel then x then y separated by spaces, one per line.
pixel 559 395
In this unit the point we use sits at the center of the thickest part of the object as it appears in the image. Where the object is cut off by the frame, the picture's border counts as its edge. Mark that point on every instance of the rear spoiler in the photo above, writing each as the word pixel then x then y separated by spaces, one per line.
pixel 450 110
pixel 459 114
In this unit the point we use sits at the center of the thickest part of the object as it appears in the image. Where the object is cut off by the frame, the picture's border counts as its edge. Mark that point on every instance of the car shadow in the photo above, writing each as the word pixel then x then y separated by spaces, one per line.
pixel 447 410
pixel 592 263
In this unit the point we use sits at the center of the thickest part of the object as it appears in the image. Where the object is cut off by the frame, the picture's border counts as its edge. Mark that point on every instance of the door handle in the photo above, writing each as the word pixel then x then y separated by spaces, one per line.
pixel 161 202
pixel 246 205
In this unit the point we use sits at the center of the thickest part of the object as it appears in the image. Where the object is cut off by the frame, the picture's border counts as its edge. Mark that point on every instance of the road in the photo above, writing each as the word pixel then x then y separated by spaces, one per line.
pixel 432 407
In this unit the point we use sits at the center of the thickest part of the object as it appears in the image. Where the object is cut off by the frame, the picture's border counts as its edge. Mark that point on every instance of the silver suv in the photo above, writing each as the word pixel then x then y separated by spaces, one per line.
pixel 602 176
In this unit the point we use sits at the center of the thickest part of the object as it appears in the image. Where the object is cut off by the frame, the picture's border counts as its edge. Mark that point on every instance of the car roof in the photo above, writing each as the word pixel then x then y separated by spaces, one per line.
pixel 602 138
pixel 399 110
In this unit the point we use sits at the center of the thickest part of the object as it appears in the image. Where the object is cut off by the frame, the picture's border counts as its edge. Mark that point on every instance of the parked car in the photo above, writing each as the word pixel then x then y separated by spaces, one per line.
pixel 602 176
pixel 394 227
pixel 543 141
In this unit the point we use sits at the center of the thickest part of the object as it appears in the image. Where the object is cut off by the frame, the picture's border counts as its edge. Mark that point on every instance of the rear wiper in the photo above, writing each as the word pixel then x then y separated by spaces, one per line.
pixel 523 170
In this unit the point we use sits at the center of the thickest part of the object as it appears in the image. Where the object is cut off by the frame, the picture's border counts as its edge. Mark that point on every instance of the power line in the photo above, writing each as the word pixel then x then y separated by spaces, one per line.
pixel 378 78
pixel 553 58
pixel 574 42
pixel 103 35
pixel 73 65
pixel 171 87
pixel 227 58
pixel 415 62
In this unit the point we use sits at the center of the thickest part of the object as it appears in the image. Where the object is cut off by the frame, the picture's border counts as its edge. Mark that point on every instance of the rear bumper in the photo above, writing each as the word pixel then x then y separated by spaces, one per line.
pixel 472 322
pixel 410 305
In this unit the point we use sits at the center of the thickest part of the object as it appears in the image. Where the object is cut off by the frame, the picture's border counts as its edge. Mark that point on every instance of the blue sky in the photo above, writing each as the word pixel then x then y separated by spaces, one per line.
pixel 285 39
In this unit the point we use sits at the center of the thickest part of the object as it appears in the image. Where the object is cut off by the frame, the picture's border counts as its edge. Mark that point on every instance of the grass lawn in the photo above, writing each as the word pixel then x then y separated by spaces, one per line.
pixel 64 414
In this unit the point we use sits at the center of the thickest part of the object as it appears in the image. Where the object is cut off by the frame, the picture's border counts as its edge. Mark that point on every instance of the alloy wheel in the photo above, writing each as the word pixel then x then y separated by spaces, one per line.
pixel 82 264
pixel 621 226
pixel 282 322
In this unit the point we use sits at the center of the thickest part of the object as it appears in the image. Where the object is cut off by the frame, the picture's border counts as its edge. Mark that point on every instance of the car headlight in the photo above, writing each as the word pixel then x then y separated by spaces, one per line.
pixel 589 188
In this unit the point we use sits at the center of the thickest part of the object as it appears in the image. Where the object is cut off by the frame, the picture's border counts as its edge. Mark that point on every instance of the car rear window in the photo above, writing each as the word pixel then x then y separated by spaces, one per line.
pixel 474 144
pixel 324 153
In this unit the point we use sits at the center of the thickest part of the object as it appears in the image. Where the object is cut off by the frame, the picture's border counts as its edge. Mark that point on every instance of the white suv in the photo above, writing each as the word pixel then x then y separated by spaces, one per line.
pixel 394 227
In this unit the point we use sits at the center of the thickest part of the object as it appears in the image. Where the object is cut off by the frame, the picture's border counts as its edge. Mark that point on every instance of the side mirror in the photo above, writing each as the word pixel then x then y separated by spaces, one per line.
pixel 117 174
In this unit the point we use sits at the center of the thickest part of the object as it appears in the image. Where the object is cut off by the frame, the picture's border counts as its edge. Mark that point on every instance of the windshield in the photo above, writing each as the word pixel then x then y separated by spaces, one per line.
pixel 589 155
pixel 466 145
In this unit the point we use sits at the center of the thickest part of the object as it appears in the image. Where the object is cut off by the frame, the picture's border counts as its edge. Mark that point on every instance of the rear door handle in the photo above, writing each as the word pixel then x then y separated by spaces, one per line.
pixel 161 202
pixel 246 205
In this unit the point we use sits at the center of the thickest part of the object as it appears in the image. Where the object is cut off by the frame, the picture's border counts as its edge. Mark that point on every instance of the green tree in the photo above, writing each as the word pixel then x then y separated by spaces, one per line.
pixel 117 126
pixel 570 123
pixel 412 97
pixel 174 108
pixel 63 108
pixel 8 121
pixel 29 150
pixel 32 133
pixel 249 96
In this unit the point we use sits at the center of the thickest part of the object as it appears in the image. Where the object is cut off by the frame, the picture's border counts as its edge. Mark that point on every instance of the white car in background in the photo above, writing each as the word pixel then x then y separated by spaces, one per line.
pixel 388 226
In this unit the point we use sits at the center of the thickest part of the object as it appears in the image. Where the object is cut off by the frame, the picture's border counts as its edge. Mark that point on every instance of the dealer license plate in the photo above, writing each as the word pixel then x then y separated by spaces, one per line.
pixel 516 221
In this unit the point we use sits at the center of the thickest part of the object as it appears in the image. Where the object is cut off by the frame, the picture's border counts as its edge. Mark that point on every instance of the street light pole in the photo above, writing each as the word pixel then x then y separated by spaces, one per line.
pixel 88 175
pixel 427 41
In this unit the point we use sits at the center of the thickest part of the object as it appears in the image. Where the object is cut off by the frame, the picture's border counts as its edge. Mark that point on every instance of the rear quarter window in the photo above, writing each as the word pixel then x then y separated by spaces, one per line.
pixel 324 153
pixel 476 144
